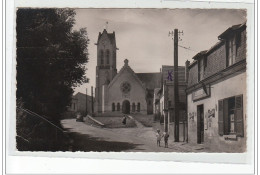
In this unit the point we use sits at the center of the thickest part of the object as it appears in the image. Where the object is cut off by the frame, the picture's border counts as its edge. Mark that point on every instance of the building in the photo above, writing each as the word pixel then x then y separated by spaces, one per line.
pixel 164 101
pixel 124 91
pixel 80 102
pixel 216 93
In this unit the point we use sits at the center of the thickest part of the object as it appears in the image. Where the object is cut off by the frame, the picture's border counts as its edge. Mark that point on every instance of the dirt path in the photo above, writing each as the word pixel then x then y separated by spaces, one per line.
pixel 90 138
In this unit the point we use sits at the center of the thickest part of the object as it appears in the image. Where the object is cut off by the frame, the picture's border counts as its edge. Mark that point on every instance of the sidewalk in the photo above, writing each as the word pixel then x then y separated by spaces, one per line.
pixel 188 147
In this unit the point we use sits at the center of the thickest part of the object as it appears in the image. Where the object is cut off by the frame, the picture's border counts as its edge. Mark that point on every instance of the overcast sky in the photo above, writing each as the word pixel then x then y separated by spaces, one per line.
pixel 142 35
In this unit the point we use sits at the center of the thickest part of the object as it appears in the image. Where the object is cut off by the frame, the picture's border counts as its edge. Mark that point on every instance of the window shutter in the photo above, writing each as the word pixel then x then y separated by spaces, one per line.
pixel 225 116
pixel 239 127
pixel 220 118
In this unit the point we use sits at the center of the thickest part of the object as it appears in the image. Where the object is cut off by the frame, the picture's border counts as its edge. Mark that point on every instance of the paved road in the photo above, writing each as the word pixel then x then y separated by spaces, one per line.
pixel 90 138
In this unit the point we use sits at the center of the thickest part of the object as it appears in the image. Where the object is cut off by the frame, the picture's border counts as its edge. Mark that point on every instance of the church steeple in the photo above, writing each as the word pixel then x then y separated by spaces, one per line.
pixel 106 49
pixel 106 62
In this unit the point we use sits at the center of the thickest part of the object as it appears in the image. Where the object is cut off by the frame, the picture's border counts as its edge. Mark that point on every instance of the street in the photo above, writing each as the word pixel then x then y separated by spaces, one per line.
pixel 141 139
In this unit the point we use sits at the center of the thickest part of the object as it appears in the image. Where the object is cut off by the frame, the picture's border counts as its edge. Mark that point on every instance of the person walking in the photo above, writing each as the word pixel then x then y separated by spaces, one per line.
pixel 158 137
pixel 166 137
pixel 124 120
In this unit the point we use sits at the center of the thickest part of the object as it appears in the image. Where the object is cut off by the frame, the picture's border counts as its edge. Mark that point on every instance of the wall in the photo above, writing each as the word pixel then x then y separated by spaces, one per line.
pixel 219 90
pixel 137 93
pixel 73 106
pixel 81 103
pixel 193 74
pixel 216 61
pixel 241 51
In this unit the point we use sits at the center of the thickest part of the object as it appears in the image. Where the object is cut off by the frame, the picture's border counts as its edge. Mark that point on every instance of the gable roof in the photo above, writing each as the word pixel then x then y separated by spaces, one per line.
pixel 232 29
pixel 79 94
pixel 126 67
pixel 199 55
pixel 150 80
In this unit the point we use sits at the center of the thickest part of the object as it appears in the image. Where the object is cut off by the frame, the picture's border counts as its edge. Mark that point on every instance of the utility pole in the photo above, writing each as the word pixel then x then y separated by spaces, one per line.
pixel 176 95
pixel 176 84
pixel 86 101
pixel 92 101
pixel 166 106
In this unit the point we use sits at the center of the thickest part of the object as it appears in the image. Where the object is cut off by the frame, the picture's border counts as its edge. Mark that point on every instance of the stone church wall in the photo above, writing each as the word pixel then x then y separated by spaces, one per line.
pixel 136 94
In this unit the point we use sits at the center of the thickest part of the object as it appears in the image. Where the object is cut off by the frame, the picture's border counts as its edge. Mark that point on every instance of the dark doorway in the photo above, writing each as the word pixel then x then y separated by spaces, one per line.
pixel 200 124
pixel 126 107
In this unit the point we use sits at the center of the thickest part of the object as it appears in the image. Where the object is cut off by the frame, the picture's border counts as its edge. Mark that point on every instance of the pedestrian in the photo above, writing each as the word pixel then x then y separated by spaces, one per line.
pixel 158 137
pixel 124 120
pixel 166 137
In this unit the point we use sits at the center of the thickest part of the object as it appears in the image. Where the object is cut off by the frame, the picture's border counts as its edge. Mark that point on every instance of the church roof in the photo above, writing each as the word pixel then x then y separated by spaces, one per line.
pixel 150 80
pixel 111 36
pixel 129 69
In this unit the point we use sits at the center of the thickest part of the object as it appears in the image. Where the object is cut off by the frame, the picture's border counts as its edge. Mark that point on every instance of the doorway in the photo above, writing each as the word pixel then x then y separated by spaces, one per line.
pixel 200 124
pixel 126 107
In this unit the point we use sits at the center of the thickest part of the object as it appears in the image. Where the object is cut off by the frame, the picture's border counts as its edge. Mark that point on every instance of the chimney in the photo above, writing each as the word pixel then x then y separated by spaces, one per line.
pixel 187 64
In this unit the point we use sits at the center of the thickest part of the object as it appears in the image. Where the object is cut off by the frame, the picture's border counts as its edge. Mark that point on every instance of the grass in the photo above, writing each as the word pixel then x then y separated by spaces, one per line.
pixel 116 122
pixel 146 120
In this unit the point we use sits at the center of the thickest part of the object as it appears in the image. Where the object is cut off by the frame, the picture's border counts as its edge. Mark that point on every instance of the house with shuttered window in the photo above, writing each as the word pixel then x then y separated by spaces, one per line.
pixel 216 94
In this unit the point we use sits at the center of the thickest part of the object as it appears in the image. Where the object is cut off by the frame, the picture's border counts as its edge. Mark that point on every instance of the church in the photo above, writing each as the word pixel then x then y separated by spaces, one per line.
pixel 124 91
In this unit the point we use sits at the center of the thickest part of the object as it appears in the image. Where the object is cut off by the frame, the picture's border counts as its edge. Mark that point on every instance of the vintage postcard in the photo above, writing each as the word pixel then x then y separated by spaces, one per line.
pixel 125 80
pixel 154 80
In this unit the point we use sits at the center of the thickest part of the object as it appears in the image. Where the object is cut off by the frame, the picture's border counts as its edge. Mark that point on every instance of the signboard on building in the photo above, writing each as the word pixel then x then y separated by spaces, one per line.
pixel 201 93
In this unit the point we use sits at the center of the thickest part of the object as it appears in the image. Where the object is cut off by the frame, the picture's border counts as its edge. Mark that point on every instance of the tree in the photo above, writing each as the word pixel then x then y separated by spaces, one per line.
pixel 51 59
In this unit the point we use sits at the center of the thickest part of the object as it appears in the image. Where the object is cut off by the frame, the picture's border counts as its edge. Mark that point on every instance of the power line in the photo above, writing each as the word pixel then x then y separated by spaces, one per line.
pixel 187 48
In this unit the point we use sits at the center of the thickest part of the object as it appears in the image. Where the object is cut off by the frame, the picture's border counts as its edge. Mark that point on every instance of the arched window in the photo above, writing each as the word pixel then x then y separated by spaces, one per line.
pixel 102 57
pixel 138 107
pixel 118 107
pixel 107 56
pixel 133 107
pixel 114 55
pixel 113 106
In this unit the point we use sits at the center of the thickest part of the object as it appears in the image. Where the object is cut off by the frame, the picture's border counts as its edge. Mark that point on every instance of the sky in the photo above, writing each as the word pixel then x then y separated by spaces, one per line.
pixel 142 35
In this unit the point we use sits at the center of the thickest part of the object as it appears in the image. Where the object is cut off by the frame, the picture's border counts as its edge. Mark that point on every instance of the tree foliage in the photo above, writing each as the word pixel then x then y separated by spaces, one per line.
pixel 51 59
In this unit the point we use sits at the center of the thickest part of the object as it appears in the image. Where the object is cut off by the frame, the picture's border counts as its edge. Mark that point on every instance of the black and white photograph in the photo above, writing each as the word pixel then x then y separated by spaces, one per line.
pixel 131 80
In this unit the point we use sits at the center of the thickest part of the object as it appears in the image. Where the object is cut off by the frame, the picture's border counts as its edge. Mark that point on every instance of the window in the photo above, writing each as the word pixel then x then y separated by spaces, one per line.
pixel 118 107
pixel 231 51
pixel 200 70
pixel 230 116
pixel 125 87
pixel 169 104
pixel 238 40
pixel 113 106
pixel 138 107
pixel 102 57
pixel 205 62
pixel 133 107
pixel 107 56
pixel 114 55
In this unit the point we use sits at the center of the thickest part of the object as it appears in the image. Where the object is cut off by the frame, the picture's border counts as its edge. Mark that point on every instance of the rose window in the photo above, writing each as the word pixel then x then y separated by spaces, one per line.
pixel 125 87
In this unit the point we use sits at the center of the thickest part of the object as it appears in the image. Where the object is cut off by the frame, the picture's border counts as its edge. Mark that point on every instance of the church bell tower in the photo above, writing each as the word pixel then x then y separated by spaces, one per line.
pixel 106 64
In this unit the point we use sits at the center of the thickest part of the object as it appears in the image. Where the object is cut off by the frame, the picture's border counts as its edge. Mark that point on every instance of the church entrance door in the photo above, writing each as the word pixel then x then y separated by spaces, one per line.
pixel 126 107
